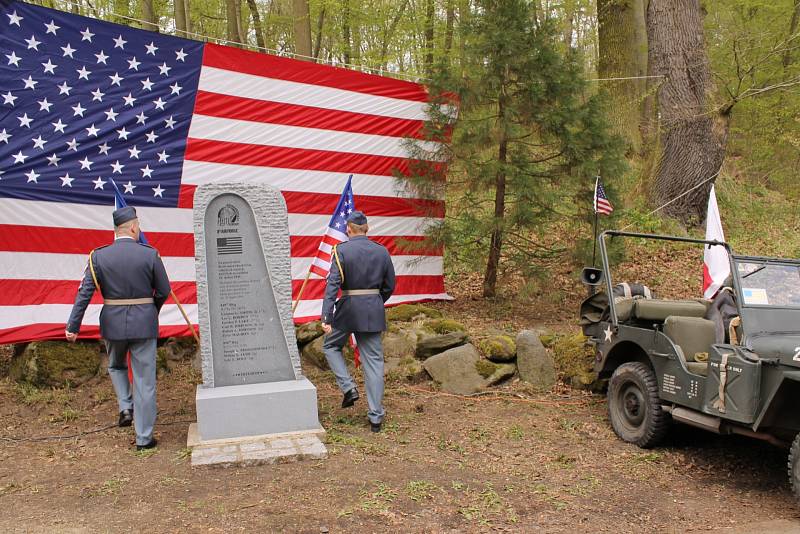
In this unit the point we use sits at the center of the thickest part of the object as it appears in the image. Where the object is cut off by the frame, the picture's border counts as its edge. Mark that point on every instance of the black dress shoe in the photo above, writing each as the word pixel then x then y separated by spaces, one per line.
pixel 125 417
pixel 350 398
pixel 375 427
pixel 150 445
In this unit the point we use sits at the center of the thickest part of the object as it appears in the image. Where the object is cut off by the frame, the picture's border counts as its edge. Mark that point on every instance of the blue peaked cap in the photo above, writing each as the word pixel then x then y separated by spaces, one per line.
pixel 123 215
pixel 357 217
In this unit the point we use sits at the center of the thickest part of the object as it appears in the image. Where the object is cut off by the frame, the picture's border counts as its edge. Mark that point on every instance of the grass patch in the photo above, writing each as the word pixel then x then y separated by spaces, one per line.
pixel 516 433
pixel 419 490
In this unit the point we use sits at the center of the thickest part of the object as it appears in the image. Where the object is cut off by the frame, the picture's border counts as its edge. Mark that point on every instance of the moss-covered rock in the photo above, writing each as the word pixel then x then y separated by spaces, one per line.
pixel 308 332
pixel 443 326
pixel 409 312
pixel 312 353
pixel 56 363
pixel 407 369
pixel 499 348
pixel 485 368
pixel 428 346
pixel 574 360
pixel 400 343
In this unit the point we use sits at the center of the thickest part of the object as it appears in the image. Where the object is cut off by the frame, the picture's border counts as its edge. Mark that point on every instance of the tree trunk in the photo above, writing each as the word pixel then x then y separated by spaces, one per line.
pixel 301 21
pixel 496 244
pixel 346 32
pixel 244 23
pixel 692 134
pixel 429 19
pixel 149 17
pixel 569 22
pixel 179 8
pixel 389 34
pixel 449 26
pixel 787 55
pixel 257 27
pixel 320 25
pixel 232 17
pixel 622 37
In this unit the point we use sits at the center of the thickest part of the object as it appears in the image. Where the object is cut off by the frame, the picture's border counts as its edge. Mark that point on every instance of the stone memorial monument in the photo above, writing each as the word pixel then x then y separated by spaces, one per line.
pixel 254 405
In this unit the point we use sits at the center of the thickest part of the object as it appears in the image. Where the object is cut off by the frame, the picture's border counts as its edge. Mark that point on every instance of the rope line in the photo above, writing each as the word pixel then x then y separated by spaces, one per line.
pixel 661 207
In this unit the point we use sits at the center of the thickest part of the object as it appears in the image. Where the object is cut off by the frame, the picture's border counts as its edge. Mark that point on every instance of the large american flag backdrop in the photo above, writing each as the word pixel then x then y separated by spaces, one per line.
pixel 86 101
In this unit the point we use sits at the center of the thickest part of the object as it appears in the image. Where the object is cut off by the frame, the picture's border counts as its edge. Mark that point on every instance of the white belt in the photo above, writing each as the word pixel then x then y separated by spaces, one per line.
pixel 358 292
pixel 128 302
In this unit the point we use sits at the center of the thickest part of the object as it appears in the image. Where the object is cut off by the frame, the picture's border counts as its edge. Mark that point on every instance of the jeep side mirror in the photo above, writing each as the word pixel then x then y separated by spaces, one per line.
pixel 592 276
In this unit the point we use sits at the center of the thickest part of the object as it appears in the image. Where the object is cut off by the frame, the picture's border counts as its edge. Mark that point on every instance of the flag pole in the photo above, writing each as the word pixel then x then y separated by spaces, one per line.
pixel 185 317
pixel 594 232
pixel 300 293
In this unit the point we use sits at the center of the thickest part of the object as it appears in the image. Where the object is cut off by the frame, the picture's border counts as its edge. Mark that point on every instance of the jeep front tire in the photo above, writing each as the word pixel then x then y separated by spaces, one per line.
pixel 634 407
pixel 794 466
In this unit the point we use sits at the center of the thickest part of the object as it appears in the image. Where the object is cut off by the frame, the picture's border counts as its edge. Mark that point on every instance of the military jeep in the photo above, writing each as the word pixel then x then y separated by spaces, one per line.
pixel 729 365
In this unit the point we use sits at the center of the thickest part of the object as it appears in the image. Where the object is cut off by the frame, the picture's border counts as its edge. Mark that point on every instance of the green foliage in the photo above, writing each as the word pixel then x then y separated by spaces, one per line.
pixel 443 326
pixel 407 312
pixel 528 141
pixel 485 368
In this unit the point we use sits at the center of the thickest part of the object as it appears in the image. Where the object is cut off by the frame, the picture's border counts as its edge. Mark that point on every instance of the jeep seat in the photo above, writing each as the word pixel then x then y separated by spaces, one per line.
pixel 659 310
pixel 693 336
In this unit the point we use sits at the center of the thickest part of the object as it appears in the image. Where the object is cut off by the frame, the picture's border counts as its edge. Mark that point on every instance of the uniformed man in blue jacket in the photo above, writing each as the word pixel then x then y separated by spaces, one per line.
pixel 363 270
pixel 134 284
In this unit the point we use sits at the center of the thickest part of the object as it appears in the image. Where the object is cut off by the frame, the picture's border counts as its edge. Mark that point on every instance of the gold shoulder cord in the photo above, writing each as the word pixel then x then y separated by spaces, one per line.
pixel 338 264
pixel 94 276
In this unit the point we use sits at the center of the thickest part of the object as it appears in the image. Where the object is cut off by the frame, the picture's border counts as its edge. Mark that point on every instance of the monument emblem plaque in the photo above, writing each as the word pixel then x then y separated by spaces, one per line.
pixel 254 405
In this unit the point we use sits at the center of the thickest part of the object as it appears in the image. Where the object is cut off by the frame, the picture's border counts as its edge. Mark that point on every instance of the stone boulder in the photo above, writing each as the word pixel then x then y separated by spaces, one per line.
pixel 312 353
pixel 408 369
pixel 461 370
pixel 308 332
pixel 499 348
pixel 56 363
pixel 443 326
pixel 409 312
pixel 534 363
pixel 400 343
pixel 428 346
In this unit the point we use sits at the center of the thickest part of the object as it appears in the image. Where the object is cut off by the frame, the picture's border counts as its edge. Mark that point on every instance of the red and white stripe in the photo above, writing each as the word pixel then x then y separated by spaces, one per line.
pixel 321 263
pixel 295 125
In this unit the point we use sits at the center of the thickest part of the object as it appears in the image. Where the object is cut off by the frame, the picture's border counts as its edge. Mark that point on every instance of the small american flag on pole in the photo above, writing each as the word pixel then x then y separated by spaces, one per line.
pixel 335 232
pixel 601 203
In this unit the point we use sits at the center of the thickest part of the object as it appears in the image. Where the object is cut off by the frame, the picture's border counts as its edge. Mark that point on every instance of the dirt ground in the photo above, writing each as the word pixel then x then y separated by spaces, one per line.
pixel 509 461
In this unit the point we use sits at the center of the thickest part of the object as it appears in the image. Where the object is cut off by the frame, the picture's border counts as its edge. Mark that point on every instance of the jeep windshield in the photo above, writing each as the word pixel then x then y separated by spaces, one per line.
pixel 769 282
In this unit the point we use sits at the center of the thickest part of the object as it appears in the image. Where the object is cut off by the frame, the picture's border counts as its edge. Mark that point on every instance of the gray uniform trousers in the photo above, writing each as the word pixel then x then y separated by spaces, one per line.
pixel 143 400
pixel 371 350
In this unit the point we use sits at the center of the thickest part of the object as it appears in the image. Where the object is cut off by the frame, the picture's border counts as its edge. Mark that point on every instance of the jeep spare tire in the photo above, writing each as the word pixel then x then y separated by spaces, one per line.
pixel 634 407
pixel 794 466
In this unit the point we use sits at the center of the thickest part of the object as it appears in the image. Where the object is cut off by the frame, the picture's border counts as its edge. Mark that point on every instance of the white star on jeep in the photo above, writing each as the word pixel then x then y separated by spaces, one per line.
pixel 157 191
pixel 608 333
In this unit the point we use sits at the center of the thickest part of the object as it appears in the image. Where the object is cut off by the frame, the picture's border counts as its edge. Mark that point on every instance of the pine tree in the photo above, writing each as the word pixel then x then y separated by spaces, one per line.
pixel 526 139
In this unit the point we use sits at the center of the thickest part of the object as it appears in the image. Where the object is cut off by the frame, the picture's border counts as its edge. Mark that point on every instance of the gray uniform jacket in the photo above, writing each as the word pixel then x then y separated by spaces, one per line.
pixel 125 269
pixel 366 265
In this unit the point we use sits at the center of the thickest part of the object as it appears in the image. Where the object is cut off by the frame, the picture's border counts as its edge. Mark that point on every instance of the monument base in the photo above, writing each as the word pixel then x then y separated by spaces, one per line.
pixel 256 409
pixel 256 450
